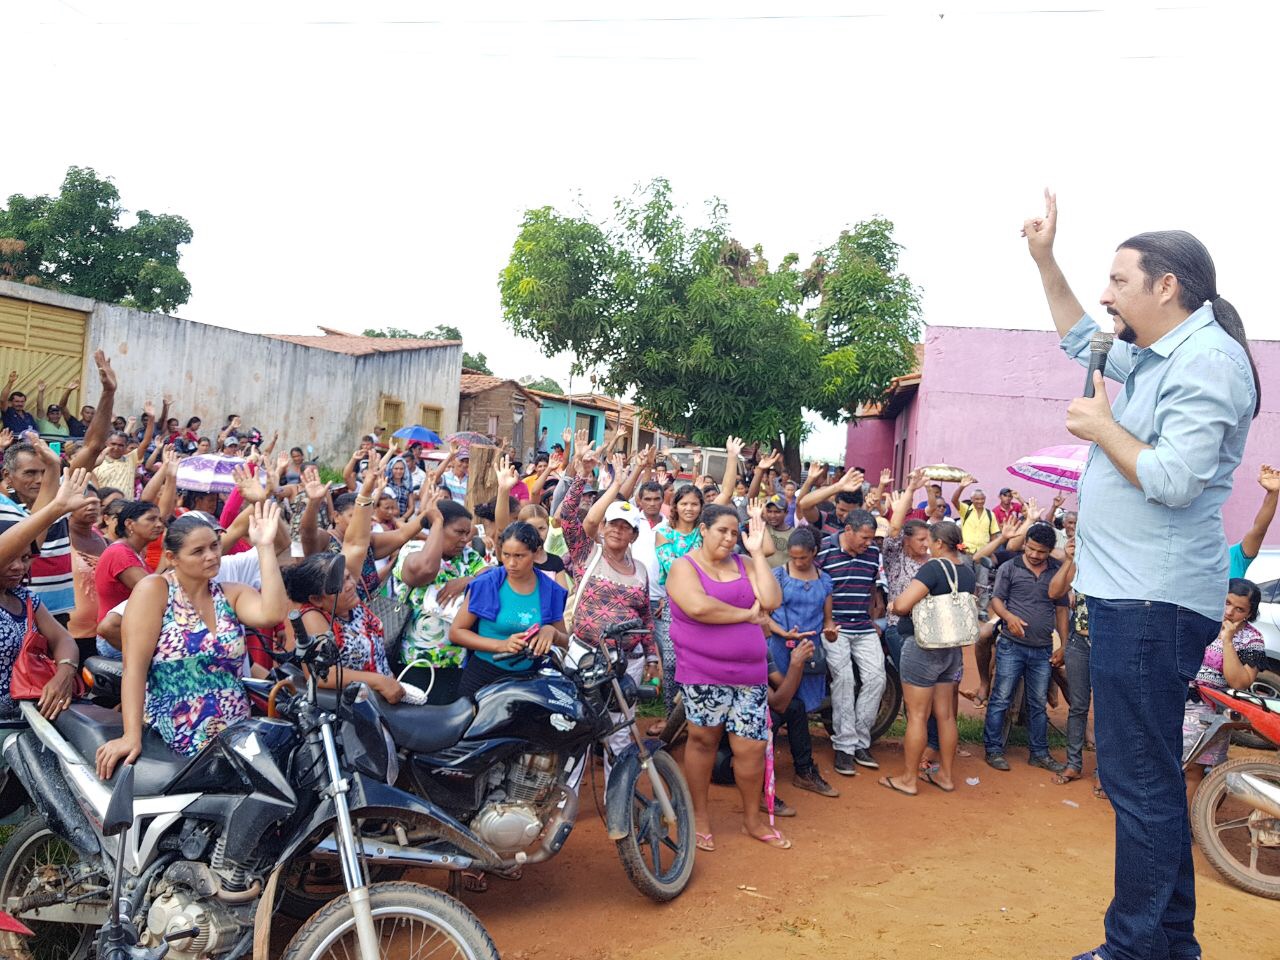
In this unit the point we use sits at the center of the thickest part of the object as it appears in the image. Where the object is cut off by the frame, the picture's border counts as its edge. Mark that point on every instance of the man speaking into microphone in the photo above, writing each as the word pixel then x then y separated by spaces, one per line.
pixel 1151 552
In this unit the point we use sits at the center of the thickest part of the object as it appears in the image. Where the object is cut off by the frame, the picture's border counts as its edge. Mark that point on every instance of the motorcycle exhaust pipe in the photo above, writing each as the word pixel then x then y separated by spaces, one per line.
pixel 1256 792
pixel 396 855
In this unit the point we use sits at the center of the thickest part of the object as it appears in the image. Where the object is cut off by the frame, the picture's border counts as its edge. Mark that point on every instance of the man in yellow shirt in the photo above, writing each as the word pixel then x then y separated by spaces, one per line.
pixel 118 468
pixel 977 526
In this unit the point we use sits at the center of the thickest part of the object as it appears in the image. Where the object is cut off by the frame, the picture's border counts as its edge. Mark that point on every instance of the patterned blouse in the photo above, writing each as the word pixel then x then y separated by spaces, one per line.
pixel 609 596
pixel 900 568
pixel 677 545
pixel 13 630
pixel 193 688
pixel 360 639
pixel 1249 648
pixel 426 637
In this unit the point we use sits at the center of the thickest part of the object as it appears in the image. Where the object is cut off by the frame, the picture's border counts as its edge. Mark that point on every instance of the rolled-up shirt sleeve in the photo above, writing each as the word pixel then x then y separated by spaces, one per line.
pixel 1076 346
pixel 1193 414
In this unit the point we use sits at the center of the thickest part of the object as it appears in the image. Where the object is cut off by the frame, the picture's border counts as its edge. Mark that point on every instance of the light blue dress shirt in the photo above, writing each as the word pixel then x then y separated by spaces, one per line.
pixel 1190 395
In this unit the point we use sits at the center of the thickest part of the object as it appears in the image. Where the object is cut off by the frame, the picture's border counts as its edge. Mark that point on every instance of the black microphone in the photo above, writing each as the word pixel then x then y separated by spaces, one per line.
pixel 1099 347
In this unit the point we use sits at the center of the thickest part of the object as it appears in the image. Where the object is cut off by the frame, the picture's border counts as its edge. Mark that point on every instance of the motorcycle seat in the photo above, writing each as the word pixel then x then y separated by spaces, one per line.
pixel 428 727
pixel 105 667
pixel 87 726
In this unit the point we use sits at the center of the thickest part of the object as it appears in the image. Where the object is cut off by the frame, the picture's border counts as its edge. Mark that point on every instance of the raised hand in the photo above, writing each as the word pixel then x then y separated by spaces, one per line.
pixel 817 473
pixel 1070 550
pixel 248 485
pixel 105 374
pixel 1009 529
pixel 1058 500
pixel 507 475
pixel 915 480
pixel 886 477
pixel 1033 510
pixel 149 408
pixel 282 463
pixel 73 384
pixel 6 438
pixel 40 386
pixel 1041 231
pixel 70 496
pixel 168 399
pixel 264 523
pixel 733 446
pixel 617 463
pixel 754 540
pixel 313 485
pixel 566 439
pixel 555 463
pixel 1269 478
pixel 852 480
pixel 968 480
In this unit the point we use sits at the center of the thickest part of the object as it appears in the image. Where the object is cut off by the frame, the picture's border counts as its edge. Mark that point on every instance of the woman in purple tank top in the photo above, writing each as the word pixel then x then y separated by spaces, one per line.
pixel 718 606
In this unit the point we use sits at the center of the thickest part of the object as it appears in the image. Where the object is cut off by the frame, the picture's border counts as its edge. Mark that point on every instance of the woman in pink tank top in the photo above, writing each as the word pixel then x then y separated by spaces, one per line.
pixel 718 604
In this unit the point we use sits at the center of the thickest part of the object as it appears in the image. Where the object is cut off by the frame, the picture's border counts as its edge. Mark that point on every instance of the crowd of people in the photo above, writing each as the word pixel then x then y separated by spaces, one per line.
pixel 760 595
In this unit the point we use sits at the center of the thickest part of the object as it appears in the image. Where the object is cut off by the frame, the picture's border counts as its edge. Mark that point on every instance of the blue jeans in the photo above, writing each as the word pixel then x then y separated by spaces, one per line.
pixel 893 641
pixel 1014 662
pixel 1144 654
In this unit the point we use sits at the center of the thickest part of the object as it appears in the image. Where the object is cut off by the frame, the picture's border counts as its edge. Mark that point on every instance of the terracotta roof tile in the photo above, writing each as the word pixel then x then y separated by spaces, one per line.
pixel 471 384
pixel 355 345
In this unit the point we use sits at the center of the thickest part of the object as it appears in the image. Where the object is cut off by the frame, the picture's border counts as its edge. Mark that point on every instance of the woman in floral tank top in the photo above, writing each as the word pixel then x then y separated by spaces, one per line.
pixel 184 646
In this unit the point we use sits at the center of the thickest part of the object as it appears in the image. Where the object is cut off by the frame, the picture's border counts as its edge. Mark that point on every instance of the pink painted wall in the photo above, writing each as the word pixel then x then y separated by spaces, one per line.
pixel 874 449
pixel 988 397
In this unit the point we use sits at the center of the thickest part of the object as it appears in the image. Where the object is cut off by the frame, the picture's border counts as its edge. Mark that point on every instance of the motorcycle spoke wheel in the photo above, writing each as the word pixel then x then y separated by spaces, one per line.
pixel 1232 834
pixel 34 858
pixel 411 921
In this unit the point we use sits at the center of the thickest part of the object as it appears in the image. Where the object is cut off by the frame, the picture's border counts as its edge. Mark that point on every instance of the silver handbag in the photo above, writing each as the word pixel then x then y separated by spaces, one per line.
pixel 946 620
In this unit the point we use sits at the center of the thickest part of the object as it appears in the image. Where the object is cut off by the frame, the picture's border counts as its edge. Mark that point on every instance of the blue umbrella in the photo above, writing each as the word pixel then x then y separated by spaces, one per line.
pixel 418 434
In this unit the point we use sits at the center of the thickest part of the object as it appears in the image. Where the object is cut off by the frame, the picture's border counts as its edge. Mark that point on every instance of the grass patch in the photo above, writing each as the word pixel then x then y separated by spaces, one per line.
pixel 971 732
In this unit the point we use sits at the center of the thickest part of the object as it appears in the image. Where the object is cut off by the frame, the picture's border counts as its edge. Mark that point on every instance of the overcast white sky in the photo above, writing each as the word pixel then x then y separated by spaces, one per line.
pixel 367 163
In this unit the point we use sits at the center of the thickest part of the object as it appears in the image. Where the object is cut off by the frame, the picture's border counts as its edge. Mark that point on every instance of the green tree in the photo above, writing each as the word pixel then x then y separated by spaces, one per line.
pixel 74 242
pixel 472 361
pixel 712 339
pixel 545 384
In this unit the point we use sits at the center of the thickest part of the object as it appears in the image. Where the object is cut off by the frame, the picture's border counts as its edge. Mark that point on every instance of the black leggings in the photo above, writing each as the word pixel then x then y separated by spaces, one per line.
pixel 478 674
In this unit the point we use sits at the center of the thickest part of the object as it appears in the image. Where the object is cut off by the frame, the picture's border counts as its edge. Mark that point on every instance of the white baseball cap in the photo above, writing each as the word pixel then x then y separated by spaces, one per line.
pixel 623 510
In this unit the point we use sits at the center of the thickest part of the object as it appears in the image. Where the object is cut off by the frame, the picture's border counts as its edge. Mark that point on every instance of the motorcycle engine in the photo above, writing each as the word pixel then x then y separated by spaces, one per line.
pixel 178 910
pixel 511 820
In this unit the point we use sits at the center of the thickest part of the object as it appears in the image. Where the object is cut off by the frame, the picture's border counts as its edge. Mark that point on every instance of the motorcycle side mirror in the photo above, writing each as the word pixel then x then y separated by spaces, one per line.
pixel 119 815
pixel 336 576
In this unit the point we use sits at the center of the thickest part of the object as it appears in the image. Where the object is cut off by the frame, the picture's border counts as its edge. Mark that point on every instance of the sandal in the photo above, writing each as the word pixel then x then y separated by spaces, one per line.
pixel 705 841
pixel 1098 792
pixel 474 881
pixel 888 784
pixel 927 777
pixel 655 729
pixel 773 838
pixel 1068 775
pixel 515 873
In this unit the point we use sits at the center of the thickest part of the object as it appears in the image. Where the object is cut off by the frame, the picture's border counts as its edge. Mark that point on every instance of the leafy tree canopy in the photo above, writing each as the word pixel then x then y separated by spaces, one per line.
pixel 545 384
pixel 712 339
pixel 472 361
pixel 75 243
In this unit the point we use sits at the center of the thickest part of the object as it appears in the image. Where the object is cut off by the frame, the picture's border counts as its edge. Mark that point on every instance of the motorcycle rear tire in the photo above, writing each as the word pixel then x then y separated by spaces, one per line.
pixel 633 851
pixel 52 941
pixel 1210 793
pixel 331 932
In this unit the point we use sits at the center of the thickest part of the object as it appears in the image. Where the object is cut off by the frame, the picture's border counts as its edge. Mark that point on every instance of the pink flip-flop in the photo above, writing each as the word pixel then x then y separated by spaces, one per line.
pixel 705 841
pixel 773 838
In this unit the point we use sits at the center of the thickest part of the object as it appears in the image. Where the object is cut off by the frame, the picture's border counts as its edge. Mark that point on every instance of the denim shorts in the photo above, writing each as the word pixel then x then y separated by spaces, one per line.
pixel 743 711
pixel 927 668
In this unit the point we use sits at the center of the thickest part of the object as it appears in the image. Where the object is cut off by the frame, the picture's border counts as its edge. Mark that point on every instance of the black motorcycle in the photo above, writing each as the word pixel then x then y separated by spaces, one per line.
pixel 208 837
pixel 511 764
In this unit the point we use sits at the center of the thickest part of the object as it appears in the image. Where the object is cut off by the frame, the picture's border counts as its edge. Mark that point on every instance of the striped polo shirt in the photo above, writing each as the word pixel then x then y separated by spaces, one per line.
pixel 51 577
pixel 854 578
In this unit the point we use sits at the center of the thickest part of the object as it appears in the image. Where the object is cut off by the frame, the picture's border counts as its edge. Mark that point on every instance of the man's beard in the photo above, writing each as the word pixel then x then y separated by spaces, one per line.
pixel 1126 333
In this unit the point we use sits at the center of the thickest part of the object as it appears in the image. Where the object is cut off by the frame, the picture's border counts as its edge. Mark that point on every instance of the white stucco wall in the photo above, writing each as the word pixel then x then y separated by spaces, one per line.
pixel 311 396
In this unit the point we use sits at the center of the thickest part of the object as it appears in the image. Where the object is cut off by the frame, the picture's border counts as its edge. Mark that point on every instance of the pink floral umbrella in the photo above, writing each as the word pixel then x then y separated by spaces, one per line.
pixel 1058 467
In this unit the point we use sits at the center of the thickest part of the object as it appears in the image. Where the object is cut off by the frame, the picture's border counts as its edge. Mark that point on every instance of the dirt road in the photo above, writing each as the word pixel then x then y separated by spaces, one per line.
pixel 1006 868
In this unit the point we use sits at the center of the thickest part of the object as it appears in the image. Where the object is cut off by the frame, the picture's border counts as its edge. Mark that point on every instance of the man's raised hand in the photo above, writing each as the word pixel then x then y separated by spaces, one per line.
pixel 1040 231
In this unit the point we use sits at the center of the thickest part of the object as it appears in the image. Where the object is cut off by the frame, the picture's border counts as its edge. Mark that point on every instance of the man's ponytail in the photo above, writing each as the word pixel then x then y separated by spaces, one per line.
pixel 1230 321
